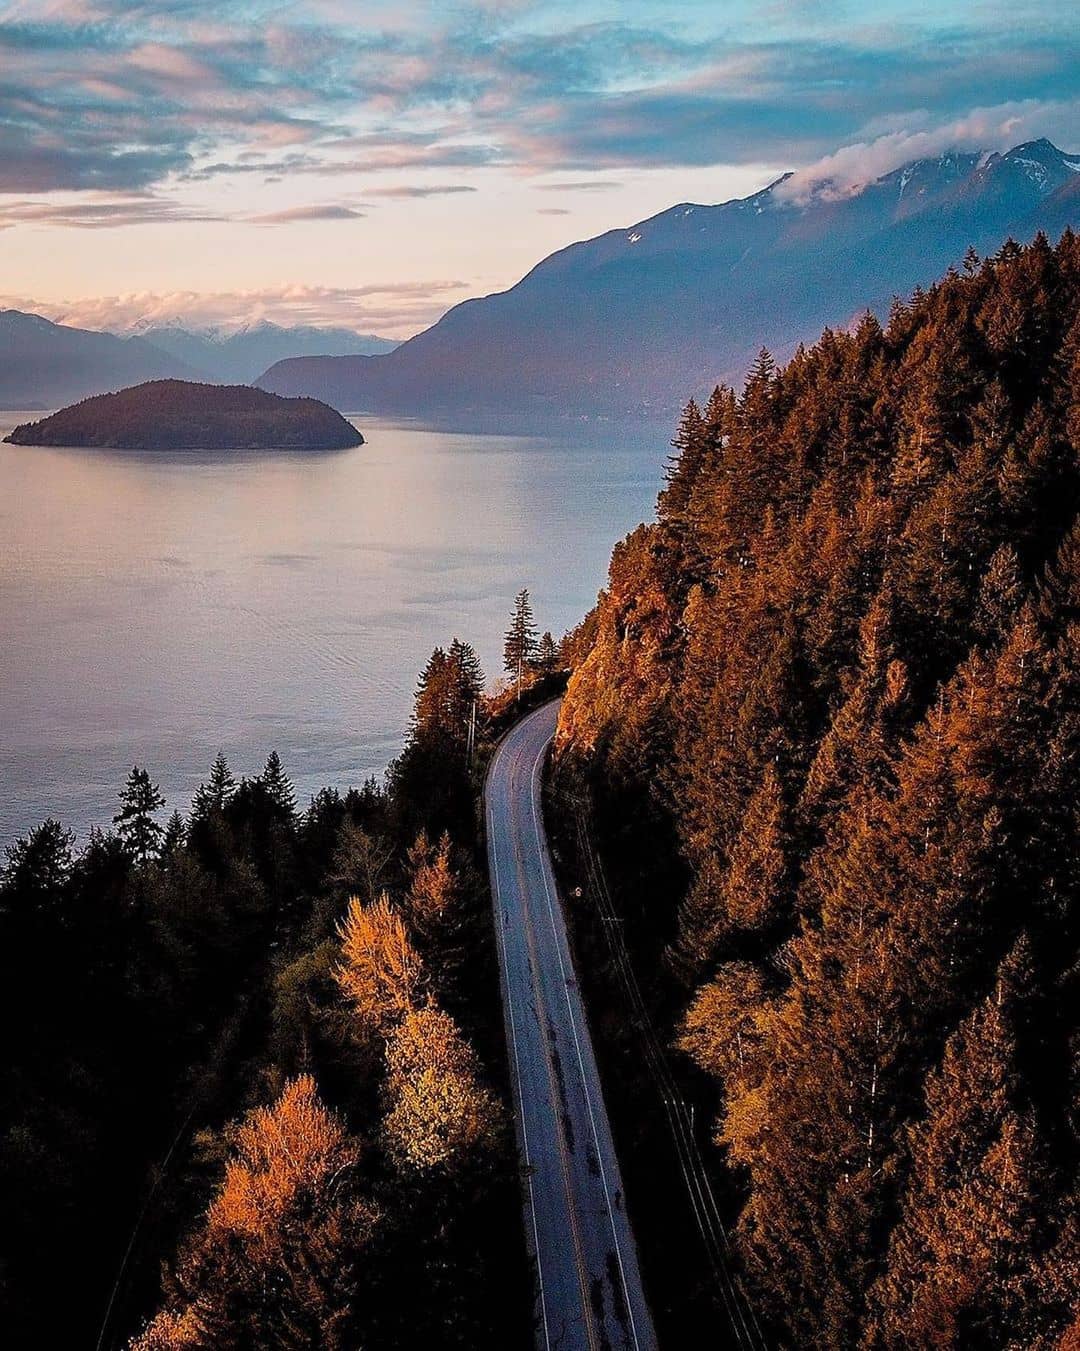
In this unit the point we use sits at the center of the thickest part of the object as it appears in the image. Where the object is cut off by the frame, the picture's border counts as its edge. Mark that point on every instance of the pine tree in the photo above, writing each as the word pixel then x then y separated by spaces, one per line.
pixel 278 787
pixel 448 695
pixel 466 664
pixel 519 647
pixel 134 822
pixel 690 443
pixel 213 795
pixel 958 1269
pixel 175 835
pixel 547 654
pixel 37 870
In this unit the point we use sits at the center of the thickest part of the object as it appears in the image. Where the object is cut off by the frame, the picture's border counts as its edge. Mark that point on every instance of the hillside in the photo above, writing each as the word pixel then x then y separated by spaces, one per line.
pixel 827 709
pixel 43 365
pixel 181 415
pixel 634 319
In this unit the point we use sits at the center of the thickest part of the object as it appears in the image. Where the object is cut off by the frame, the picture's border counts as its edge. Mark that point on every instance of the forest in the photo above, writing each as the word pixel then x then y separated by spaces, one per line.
pixel 252 1075
pixel 826 712
pixel 825 719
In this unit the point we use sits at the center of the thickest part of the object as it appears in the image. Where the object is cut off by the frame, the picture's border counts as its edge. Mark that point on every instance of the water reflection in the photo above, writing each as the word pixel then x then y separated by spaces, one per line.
pixel 155 608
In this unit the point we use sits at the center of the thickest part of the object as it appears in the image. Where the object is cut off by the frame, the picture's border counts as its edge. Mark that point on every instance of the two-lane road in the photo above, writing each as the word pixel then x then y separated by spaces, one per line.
pixel 588 1286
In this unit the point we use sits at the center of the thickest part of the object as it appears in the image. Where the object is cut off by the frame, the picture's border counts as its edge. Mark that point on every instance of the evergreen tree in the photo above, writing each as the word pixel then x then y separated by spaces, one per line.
pixel 213 795
pixel 547 654
pixel 466 665
pixel 519 647
pixel 959 1266
pixel 135 823
pixel 868 580
pixel 278 787
pixel 175 835
pixel 37 870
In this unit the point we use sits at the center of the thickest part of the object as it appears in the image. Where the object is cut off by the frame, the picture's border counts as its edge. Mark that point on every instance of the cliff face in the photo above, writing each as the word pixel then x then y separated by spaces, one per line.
pixel 179 415
pixel 842 669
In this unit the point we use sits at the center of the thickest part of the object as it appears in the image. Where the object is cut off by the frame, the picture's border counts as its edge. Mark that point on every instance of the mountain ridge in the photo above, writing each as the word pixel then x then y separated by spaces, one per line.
pixel 43 363
pixel 47 363
pixel 615 324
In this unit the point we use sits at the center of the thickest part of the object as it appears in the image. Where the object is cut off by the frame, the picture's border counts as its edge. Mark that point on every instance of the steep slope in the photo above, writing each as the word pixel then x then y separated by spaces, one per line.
pixel 827 707
pixel 631 320
pixel 43 364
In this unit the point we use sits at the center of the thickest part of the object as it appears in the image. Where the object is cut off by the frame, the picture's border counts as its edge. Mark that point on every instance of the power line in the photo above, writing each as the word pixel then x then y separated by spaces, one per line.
pixel 740 1312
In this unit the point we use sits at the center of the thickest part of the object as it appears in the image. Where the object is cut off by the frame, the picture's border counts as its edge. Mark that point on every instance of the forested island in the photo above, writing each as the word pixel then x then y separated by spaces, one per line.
pixel 184 415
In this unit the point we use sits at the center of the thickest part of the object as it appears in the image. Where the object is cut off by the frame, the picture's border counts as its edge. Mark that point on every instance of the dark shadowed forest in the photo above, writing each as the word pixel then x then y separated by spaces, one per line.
pixel 827 708
pixel 252 1075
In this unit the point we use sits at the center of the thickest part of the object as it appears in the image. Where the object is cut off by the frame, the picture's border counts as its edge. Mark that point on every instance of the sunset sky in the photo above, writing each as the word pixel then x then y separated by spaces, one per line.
pixel 370 164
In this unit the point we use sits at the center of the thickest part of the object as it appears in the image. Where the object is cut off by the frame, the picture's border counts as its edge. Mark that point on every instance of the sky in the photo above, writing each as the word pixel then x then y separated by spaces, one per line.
pixel 369 163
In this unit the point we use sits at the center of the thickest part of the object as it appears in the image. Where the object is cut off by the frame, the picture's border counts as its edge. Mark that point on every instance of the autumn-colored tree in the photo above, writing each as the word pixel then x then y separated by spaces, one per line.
pixel 863 579
pixel 960 1266
pixel 380 971
pixel 438 1111
pixel 747 896
pixel 275 1263
pixel 433 888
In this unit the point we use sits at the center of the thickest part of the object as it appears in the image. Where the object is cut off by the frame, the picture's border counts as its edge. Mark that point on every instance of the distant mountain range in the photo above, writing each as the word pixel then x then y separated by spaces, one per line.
pixel 637 319
pixel 242 354
pixel 43 364
pixel 46 365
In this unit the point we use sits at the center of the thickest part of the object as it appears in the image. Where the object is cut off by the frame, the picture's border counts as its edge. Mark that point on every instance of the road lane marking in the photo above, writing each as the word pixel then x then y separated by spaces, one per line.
pixel 517 1070
pixel 534 800
pixel 587 1311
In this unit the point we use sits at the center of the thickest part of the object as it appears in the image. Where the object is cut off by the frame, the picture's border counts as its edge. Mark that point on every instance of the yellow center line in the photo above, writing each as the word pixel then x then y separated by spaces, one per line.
pixel 583 1278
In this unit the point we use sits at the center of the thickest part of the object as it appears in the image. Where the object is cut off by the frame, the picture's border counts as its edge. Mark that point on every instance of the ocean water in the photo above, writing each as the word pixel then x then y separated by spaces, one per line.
pixel 155 609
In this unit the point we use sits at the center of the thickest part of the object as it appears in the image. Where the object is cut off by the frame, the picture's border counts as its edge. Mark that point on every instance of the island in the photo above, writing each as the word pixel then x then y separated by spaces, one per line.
pixel 183 415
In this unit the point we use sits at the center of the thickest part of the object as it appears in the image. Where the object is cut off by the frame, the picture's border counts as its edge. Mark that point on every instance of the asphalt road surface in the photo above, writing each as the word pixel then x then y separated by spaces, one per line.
pixel 588 1286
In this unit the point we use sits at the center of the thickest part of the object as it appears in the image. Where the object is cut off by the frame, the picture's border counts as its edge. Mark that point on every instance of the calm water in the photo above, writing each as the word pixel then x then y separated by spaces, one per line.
pixel 154 609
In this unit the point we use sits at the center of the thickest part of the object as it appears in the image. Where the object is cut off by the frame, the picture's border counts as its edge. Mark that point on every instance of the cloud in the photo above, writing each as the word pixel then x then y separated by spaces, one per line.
pixel 98 212
pixel 552 211
pixel 408 190
pixel 124 96
pixel 297 213
pixel 582 185
pixel 395 308
pixel 847 170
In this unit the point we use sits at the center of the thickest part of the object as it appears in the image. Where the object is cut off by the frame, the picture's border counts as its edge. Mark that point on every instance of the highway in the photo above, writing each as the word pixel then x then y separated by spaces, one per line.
pixel 589 1295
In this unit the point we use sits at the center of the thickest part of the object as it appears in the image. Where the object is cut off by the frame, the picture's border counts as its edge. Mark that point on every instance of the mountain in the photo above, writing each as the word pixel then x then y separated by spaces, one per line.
pixel 635 319
pixel 240 355
pixel 43 364
pixel 181 415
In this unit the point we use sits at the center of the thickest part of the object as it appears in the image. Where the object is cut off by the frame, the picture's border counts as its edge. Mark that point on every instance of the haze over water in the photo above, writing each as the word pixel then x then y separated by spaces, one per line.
pixel 157 608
